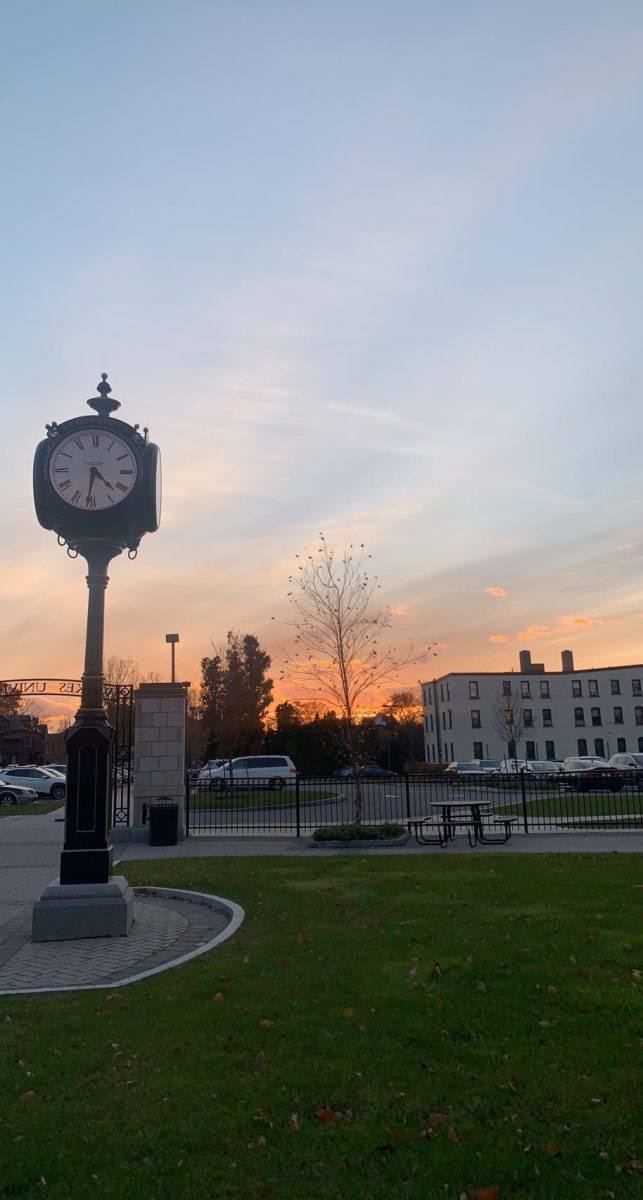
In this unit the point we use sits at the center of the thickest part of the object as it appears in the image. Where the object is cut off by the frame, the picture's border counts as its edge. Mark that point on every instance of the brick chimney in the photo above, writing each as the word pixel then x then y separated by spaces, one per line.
pixel 567 661
pixel 525 661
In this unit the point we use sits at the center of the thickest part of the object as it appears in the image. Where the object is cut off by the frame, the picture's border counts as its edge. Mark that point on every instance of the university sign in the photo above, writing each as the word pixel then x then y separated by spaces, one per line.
pixel 60 687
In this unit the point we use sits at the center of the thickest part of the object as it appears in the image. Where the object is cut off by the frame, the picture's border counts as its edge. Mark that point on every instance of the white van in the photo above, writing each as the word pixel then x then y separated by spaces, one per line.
pixel 259 770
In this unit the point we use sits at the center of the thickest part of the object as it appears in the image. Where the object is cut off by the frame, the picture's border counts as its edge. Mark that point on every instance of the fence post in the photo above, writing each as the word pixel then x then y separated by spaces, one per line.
pixel 187 804
pixel 524 802
pixel 298 812
pixel 407 789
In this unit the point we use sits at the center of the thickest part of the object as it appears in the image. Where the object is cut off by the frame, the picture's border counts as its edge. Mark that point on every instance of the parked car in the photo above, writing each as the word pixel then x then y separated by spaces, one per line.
pixel 628 763
pixel 368 771
pixel 530 766
pixel 60 767
pixel 204 774
pixel 512 766
pixel 471 769
pixel 41 779
pixel 487 764
pixel 589 773
pixel 271 770
pixel 14 793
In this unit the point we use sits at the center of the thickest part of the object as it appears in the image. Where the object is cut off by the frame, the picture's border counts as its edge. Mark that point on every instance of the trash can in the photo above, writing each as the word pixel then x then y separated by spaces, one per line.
pixel 163 819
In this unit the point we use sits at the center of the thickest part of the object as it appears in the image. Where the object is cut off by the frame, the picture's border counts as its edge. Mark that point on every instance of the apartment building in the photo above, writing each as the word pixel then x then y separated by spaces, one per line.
pixel 558 713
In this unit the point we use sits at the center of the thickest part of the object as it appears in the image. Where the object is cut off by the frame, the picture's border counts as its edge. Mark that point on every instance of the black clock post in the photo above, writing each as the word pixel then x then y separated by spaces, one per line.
pixel 97 486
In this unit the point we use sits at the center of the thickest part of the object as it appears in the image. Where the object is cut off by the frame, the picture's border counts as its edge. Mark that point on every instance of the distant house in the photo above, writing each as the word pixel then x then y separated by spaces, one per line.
pixel 23 739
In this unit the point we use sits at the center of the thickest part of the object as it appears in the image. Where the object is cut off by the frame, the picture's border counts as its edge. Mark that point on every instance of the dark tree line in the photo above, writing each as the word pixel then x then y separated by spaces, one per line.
pixel 236 694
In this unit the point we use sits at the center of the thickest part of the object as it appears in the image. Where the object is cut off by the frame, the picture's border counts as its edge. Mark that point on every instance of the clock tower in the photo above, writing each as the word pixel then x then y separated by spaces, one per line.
pixel 97 485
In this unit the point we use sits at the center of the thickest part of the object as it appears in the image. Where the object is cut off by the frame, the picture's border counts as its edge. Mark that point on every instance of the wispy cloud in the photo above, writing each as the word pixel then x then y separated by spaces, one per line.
pixel 496 591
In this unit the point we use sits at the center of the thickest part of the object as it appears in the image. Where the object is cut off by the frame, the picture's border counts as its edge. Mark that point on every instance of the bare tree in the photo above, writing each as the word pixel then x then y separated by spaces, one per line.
pixel 508 720
pixel 339 650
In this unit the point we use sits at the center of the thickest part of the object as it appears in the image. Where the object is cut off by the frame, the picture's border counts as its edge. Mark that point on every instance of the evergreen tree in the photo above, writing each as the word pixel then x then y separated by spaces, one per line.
pixel 235 696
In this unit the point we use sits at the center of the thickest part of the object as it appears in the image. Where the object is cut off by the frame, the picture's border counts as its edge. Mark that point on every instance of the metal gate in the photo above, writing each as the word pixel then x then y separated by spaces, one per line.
pixel 119 704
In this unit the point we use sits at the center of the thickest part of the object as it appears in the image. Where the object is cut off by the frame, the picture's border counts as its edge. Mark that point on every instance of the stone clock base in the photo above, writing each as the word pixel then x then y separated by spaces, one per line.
pixel 83 910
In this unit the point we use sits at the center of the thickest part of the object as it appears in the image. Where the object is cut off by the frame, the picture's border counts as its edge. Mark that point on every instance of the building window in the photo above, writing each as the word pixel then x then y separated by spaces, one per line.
pixel 618 714
pixel 426 724
pixel 506 687
pixel 577 687
pixel 592 685
pixel 596 716
pixel 582 746
pixel 442 691
pixel 638 715
pixel 450 719
pixel 544 689
pixel 621 745
pixel 427 697
pixel 640 745
pixel 547 716
pixel 599 747
pixel 636 687
pixel 528 718
pixel 476 723
pixel 477 750
pixel 615 686
pixel 525 690
pixel 531 749
pixel 448 691
pixel 431 723
pixel 473 689
pixel 579 716
pixel 550 750
pixel 444 719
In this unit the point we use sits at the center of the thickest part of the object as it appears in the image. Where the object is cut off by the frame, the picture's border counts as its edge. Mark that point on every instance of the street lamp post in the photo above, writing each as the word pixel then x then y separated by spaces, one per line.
pixel 172 638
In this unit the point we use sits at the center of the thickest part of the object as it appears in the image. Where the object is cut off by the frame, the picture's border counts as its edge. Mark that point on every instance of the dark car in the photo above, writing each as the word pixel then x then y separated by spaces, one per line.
pixel 586 774
pixel 368 771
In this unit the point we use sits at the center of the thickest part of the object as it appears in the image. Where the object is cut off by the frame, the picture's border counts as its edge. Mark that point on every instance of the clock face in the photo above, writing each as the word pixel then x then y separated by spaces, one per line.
pixel 93 469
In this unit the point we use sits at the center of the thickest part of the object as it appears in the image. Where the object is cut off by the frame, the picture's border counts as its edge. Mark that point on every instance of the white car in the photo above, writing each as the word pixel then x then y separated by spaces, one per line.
pixel 512 766
pixel 627 762
pixel 41 779
pixel 271 770
pixel 15 794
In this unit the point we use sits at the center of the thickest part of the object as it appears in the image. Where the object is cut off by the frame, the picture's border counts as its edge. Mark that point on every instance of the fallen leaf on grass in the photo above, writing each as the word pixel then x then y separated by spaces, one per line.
pixel 397 1135
pixel 283 962
pixel 362 1027
pixel 452 1135
pixel 266 1023
pixel 487 1193
pixel 544 1024
pixel 632 1164
pixel 293 1122
pixel 224 978
pixel 218 996
pixel 348 1012
pixel 27 1096
pixel 553 1148
pixel 434 1119
pixel 328 1116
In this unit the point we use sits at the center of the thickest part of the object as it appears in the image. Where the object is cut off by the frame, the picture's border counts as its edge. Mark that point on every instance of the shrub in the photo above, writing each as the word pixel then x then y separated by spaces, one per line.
pixel 357 833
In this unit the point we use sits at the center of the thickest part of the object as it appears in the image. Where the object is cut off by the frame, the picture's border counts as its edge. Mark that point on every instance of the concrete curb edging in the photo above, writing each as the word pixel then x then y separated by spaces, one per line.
pixel 237 916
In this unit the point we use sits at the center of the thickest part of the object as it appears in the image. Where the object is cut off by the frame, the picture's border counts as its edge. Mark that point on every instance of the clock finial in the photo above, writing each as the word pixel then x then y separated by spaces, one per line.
pixel 102 403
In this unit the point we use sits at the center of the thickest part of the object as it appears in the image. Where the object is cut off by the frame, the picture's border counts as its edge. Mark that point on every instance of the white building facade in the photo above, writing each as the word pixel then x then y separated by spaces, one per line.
pixel 562 713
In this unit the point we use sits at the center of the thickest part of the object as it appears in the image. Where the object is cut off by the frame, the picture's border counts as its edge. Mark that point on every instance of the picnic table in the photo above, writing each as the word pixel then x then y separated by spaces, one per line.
pixel 452 815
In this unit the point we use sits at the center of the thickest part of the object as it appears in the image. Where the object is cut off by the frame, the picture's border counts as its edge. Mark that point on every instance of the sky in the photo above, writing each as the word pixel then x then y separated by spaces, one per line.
pixel 362 267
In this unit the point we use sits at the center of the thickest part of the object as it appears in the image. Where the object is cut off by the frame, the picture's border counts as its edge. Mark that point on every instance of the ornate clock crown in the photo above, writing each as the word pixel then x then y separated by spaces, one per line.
pixel 102 403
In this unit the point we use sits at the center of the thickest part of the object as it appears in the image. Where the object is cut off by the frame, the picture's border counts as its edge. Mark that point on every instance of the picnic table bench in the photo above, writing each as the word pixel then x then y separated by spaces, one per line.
pixel 452 815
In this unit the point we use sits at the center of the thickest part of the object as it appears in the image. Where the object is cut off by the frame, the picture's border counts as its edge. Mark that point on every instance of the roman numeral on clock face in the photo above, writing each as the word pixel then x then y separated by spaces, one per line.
pixel 95 439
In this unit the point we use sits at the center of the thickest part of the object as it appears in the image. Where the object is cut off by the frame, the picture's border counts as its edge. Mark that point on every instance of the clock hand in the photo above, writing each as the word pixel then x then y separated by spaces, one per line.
pixel 98 475
pixel 92 479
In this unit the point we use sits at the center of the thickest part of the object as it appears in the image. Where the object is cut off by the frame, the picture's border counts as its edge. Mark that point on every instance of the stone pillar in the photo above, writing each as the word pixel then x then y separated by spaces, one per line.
pixel 159 748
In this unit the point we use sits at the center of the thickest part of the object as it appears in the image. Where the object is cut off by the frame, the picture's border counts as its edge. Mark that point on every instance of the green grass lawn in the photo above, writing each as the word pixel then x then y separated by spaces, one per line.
pixel 30 810
pixel 378 1028
pixel 582 808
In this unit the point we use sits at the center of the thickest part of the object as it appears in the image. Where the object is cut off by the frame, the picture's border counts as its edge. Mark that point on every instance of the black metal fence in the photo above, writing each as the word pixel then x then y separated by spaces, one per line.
pixel 296 807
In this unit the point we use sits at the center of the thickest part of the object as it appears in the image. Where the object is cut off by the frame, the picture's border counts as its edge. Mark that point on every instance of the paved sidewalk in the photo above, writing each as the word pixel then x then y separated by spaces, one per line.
pixel 166 928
